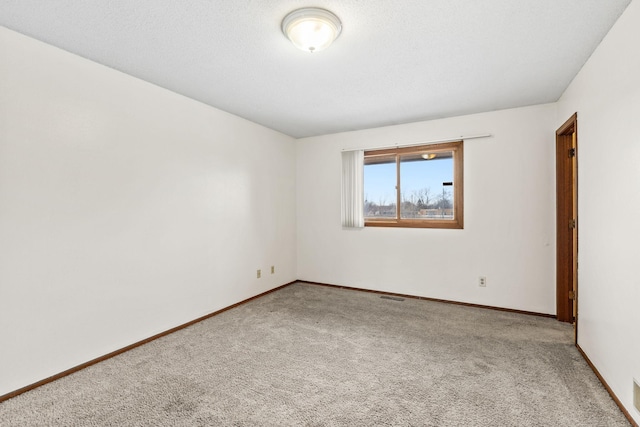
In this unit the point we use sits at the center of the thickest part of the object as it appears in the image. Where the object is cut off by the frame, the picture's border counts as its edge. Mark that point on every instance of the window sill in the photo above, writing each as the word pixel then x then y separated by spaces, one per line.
pixel 427 223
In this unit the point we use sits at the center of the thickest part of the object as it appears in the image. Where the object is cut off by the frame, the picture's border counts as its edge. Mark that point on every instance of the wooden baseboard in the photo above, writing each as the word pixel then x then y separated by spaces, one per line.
pixel 466 304
pixel 606 386
pixel 130 347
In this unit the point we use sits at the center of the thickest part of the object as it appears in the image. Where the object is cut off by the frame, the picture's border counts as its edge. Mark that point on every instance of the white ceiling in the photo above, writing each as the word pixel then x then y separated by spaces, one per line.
pixel 396 61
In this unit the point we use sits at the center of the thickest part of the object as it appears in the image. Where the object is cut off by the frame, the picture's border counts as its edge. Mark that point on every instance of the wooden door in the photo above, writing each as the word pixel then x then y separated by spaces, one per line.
pixel 567 221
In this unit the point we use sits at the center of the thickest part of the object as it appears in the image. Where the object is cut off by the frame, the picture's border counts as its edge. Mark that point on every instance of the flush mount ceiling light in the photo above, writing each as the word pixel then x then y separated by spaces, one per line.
pixel 429 156
pixel 311 29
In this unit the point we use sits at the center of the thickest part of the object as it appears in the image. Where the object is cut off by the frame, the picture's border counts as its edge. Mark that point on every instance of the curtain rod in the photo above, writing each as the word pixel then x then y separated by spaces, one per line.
pixel 415 144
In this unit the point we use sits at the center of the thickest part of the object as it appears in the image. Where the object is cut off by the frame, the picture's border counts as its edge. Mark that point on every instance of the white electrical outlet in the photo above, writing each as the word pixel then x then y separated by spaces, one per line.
pixel 259 274
pixel 482 281
pixel 273 269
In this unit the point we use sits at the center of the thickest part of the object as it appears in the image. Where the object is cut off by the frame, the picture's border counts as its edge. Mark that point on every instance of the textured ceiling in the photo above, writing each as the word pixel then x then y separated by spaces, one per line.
pixel 395 62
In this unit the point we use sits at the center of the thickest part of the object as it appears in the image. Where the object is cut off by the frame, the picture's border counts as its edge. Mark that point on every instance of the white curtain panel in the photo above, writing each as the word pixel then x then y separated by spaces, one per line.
pixel 353 189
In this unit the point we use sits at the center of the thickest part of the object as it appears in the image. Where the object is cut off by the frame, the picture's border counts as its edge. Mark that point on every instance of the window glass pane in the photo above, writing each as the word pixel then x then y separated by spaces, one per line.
pixel 380 187
pixel 426 185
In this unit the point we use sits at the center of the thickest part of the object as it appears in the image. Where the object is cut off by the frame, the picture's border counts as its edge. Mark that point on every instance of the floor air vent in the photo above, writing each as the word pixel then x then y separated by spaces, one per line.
pixel 392 298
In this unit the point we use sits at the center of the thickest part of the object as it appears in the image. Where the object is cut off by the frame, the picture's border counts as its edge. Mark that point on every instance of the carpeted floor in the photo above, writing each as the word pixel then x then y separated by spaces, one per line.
pixel 318 356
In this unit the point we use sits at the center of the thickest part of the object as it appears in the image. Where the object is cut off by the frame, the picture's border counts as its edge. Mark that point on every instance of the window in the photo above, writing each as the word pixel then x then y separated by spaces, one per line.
pixel 414 186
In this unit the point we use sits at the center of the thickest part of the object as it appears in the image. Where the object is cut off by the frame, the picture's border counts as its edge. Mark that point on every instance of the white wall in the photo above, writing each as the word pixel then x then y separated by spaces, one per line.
pixel 606 95
pixel 125 210
pixel 509 231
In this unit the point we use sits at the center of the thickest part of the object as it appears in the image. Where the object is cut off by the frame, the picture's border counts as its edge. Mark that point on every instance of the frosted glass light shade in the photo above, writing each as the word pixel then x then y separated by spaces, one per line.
pixel 311 29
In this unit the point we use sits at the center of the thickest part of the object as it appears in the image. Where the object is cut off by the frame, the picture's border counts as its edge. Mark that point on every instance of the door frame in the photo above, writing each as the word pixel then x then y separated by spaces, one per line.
pixel 567 222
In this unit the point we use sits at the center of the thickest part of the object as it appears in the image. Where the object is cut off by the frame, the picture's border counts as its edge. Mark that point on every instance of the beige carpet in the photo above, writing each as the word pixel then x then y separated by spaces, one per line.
pixel 318 356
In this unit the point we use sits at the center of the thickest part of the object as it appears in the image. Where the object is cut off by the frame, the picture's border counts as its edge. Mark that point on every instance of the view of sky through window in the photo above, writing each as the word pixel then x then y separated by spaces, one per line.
pixel 380 180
